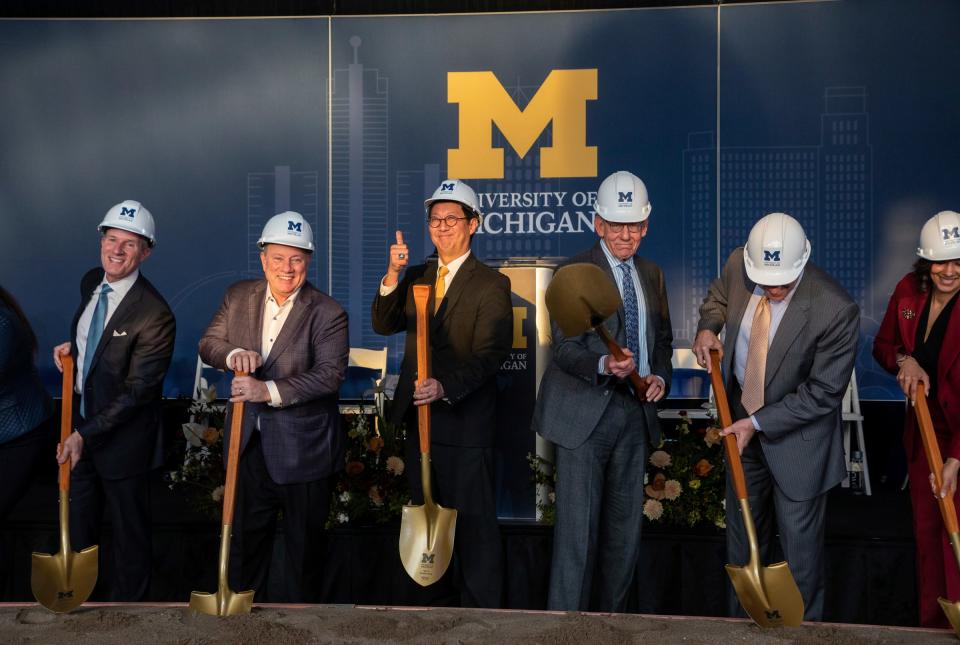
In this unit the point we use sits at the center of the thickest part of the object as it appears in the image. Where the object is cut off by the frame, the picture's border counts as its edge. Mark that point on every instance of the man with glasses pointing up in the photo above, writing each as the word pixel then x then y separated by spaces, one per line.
pixel 471 331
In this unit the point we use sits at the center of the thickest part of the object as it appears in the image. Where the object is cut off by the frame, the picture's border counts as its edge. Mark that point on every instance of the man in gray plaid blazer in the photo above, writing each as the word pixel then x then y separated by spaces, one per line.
pixel 601 431
pixel 790 439
pixel 292 340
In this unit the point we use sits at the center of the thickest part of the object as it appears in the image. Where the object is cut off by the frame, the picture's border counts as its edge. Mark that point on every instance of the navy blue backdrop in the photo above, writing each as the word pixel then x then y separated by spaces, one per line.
pixel 841 113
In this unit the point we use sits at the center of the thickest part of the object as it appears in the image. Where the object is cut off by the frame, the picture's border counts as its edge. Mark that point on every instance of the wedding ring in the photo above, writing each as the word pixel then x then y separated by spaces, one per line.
pixel 401 255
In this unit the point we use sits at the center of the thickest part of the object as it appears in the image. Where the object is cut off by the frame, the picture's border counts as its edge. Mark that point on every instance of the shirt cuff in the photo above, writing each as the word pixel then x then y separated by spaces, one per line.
pixel 385 290
pixel 275 400
pixel 230 355
pixel 601 366
pixel 756 424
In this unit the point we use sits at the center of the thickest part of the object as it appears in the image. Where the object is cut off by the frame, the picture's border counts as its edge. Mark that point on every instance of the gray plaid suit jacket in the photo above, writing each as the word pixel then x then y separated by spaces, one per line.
pixel 573 396
pixel 302 440
pixel 808 369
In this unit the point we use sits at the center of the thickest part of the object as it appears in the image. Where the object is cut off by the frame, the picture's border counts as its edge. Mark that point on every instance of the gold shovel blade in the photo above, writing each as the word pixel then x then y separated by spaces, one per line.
pixel 952 610
pixel 581 296
pixel 426 541
pixel 222 603
pixel 773 599
pixel 61 581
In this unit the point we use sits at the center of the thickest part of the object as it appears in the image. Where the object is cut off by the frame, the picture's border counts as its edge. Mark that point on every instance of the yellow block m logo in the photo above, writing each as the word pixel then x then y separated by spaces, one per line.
pixel 561 99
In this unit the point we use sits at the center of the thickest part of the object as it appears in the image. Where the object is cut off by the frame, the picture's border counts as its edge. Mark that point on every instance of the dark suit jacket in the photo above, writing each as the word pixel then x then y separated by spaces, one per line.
pixel 573 396
pixel 898 334
pixel 808 370
pixel 123 391
pixel 470 336
pixel 302 440
pixel 24 403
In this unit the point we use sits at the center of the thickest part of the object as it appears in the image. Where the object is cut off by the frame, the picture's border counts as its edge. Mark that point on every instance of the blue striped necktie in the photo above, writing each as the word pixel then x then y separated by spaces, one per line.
pixel 631 314
pixel 97 324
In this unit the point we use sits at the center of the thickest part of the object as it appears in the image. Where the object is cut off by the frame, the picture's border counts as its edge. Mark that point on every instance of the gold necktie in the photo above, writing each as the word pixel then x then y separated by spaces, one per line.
pixel 753 375
pixel 440 288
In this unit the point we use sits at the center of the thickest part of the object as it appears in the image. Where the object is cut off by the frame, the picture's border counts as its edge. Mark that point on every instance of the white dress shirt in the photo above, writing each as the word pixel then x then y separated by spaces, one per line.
pixel 274 316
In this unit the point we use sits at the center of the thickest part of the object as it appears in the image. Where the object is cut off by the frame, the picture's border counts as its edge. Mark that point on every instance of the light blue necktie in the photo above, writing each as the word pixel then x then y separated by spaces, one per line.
pixel 93 337
pixel 631 314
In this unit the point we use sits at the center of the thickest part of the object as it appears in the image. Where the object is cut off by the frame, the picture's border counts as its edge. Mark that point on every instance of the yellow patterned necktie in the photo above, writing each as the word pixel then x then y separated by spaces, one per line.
pixel 753 375
pixel 440 288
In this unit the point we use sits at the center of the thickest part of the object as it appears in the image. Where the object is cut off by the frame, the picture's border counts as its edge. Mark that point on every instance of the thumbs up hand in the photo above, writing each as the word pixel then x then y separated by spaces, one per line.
pixel 399 258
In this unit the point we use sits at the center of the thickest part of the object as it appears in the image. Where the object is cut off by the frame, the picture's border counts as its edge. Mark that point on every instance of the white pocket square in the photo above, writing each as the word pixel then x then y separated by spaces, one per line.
pixel 119 333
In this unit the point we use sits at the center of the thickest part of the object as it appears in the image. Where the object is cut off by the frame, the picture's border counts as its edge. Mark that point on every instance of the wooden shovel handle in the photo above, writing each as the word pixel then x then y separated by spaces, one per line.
pixel 66 416
pixel 726 420
pixel 639 383
pixel 233 458
pixel 421 298
pixel 934 459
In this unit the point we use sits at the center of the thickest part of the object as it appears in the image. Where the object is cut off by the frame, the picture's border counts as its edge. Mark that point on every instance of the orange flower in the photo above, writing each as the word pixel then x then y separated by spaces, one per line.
pixel 702 468
pixel 375 444
pixel 210 436
pixel 354 468
pixel 712 437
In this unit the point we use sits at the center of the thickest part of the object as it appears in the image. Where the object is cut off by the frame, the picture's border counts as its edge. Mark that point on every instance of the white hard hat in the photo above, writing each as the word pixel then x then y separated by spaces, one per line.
pixel 776 251
pixel 454 190
pixel 622 197
pixel 288 228
pixel 130 215
pixel 940 237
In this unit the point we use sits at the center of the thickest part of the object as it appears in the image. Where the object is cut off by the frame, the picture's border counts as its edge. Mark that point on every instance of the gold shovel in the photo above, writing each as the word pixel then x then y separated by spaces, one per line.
pixel 580 297
pixel 427 531
pixel 226 602
pixel 947 508
pixel 61 582
pixel 768 594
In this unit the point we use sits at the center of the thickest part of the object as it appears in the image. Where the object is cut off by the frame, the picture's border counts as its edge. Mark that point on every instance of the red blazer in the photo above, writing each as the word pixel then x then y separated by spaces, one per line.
pixel 898 333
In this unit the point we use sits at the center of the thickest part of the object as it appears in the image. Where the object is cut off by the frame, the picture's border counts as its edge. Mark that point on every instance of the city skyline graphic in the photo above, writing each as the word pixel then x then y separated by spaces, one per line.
pixel 827 187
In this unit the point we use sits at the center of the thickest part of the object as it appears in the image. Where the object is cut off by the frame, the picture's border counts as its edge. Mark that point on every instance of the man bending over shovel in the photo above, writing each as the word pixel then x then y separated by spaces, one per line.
pixel 791 343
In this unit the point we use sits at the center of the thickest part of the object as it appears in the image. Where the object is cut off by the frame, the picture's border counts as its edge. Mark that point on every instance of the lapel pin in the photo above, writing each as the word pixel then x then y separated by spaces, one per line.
pixel 908 314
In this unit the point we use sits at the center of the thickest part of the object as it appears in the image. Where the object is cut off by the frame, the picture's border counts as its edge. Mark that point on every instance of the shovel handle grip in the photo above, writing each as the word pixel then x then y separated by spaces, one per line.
pixel 726 420
pixel 638 382
pixel 934 459
pixel 421 299
pixel 66 416
pixel 233 458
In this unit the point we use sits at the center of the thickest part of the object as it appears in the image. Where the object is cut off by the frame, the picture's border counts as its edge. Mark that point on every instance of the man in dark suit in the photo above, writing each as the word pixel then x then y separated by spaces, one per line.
pixel 123 334
pixel 790 346
pixel 601 429
pixel 292 340
pixel 470 335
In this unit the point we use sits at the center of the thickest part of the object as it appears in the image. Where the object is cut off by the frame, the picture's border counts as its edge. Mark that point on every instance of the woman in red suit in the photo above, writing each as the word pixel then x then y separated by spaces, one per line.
pixel 919 340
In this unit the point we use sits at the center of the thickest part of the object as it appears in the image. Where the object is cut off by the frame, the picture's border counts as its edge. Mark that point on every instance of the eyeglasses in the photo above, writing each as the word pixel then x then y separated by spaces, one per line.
pixel 617 227
pixel 449 220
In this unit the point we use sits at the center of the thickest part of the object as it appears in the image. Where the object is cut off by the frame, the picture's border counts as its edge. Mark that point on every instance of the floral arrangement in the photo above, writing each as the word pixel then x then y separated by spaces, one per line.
pixel 684 482
pixel 201 474
pixel 545 477
pixel 372 488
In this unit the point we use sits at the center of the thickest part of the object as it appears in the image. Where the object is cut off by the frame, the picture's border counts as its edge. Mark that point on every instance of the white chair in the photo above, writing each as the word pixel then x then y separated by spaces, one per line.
pixel 372 359
pixel 850 409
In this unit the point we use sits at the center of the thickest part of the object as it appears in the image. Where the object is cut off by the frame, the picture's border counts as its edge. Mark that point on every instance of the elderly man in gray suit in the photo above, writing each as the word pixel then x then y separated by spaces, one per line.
pixel 292 340
pixel 600 427
pixel 790 346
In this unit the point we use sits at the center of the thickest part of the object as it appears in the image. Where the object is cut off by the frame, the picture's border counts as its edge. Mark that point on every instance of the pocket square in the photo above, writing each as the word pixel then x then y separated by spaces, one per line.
pixel 118 333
